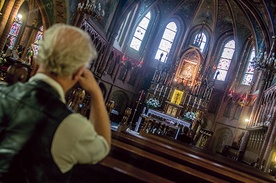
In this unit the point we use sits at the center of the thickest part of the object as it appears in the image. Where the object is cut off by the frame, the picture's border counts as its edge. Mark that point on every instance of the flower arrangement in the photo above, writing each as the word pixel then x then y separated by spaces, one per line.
pixel 153 103
pixel 2 58
pixel 189 116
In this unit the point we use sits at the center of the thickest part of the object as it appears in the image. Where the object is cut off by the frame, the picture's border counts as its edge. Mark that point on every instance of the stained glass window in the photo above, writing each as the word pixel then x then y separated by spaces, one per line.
pixel 225 60
pixel 201 44
pixel 38 38
pixel 140 32
pixel 166 41
pixel 248 74
pixel 14 31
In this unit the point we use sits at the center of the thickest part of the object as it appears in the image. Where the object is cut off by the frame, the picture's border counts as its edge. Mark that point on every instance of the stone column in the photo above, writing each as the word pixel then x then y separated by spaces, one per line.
pixel 9 12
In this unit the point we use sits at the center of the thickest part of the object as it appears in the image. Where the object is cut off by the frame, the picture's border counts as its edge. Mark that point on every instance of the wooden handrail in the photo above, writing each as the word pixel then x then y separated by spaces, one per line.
pixel 132 171
pixel 185 170
pixel 222 167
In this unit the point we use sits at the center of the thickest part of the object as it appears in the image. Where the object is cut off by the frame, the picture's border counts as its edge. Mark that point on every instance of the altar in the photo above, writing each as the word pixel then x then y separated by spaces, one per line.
pixel 158 123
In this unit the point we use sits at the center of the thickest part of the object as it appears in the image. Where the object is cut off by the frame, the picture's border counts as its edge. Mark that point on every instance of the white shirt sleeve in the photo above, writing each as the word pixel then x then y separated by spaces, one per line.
pixel 77 142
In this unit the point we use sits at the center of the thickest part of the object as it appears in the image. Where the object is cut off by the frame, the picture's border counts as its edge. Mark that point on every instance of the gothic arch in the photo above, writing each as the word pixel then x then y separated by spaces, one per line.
pixel 223 137
pixel 121 100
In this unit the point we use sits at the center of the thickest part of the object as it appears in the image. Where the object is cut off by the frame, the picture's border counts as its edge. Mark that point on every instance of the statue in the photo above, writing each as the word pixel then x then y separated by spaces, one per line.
pixel 30 55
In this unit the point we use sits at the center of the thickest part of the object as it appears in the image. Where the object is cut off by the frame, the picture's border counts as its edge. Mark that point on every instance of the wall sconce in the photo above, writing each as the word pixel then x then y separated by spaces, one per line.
pixel 243 99
pixel 124 59
pixel 233 96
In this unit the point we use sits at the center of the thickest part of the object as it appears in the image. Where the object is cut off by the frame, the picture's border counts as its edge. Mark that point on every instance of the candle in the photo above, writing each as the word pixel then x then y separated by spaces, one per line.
pixel 161 91
pixel 189 100
pixel 194 102
pixel 155 89
pixel 199 103
pixel 141 95
pixel 165 92
pixel 209 94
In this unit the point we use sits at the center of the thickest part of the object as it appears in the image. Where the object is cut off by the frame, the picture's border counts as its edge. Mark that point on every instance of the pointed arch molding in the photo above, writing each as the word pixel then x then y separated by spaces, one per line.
pixel 56 11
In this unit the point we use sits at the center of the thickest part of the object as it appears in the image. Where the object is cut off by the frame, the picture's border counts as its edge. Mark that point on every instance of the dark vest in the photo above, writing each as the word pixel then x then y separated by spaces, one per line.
pixel 30 113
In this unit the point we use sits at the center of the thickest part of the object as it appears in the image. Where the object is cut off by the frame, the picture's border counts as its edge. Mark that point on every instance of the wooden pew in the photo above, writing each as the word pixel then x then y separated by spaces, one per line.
pixel 159 165
pixel 198 159
pixel 140 159
pixel 113 170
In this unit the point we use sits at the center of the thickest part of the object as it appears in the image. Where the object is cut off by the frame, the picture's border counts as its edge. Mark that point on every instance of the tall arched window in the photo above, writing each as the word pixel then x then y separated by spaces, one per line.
pixel 225 60
pixel 200 41
pixel 14 31
pixel 248 74
pixel 166 42
pixel 38 38
pixel 140 32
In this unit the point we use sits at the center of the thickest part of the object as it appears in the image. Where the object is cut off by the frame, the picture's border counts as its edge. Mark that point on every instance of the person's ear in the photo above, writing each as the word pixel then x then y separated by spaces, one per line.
pixel 78 73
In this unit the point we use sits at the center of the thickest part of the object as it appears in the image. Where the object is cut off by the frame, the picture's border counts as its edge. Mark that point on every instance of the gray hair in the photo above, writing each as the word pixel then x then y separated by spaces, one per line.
pixel 64 49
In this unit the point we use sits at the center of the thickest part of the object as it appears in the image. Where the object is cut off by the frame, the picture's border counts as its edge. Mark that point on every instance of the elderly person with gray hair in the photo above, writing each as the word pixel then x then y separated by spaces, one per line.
pixel 41 139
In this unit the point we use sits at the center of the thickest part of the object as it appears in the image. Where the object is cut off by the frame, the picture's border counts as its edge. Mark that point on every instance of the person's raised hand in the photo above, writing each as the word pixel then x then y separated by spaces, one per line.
pixel 88 82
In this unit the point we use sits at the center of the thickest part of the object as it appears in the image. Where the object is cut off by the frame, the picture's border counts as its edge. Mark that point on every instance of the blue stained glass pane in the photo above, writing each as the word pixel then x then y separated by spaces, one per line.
pixel 15 29
pixel 12 43
pixel 36 48
pixel 38 37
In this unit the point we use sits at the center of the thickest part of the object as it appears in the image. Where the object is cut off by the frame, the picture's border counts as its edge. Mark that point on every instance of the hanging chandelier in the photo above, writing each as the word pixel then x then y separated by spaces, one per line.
pixel 264 61
pixel 93 8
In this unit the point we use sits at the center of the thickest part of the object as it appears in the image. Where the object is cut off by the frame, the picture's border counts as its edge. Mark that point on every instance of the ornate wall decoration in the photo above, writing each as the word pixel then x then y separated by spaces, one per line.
pixel 188 67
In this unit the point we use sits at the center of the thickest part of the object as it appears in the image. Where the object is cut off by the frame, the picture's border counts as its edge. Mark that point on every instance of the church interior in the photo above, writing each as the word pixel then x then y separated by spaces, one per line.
pixel 189 85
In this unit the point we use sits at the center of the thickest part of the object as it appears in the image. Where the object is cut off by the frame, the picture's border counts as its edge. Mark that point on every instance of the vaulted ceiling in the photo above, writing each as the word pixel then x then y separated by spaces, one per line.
pixel 244 18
